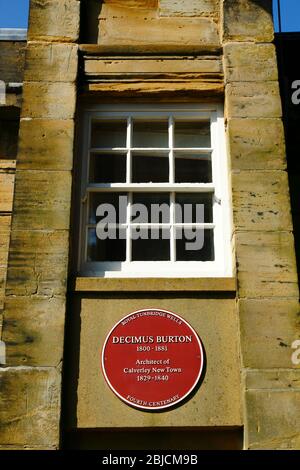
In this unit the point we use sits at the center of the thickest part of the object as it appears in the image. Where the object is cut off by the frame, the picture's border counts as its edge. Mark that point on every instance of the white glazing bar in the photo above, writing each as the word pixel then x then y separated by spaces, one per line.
pixel 128 140
pixel 171 154
pixel 128 230
pixel 173 232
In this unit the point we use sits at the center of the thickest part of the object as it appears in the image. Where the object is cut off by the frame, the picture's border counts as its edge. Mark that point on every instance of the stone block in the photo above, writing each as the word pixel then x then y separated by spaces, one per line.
pixel 126 25
pixel 42 200
pixel 253 100
pixel 30 407
pixel 55 20
pixel 247 20
pixel 12 61
pixel 38 263
pixel 6 191
pixel 49 100
pixel 189 8
pixel 51 62
pixel 261 200
pixel 272 419
pixel 46 144
pixel 266 264
pixel 33 330
pixel 215 403
pixel 268 329
pixel 246 62
pixel 110 66
pixel 256 144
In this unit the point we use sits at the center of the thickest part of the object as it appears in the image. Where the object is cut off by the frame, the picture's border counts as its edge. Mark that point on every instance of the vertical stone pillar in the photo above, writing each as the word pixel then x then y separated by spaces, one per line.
pixel 34 314
pixel 266 270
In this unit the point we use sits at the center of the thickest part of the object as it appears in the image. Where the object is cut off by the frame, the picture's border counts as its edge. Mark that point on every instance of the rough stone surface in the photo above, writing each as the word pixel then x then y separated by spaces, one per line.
pixel 126 25
pixel 46 144
pixel 29 407
pixel 268 329
pixel 38 263
pixel 12 61
pixel 246 62
pixel 34 330
pixel 247 20
pixel 189 8
pixel 261 200
pixel 266 264
pixel 55 20
pixel 253 100
pixel 216 403
pixel 51 62
pixel 256 144
pixel 42 200
pixel 49 100
pixel 273 418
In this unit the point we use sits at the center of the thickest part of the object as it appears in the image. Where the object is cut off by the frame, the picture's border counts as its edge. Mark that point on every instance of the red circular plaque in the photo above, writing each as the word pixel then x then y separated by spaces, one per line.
pixel 152 359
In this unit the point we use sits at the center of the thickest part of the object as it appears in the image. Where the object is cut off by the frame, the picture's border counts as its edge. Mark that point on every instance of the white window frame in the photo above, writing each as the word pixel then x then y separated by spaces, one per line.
pixel 222 266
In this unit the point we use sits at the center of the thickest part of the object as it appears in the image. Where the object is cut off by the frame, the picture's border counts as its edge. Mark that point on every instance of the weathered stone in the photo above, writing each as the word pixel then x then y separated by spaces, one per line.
pixel 261 200
pixel 50 62
pixel 183 90
pixel 272 419
pixel 189 7
pixel 247 20
pixel 12 61
pixel 271 379
pixel 256 144
pixel 98 284
pixel 125 25
pixel 46 144
pixel 55 20
pixel 160 65
pixel 216 323
pixel 33 330
pixel 49 100
pixel 266 264
pixel 5 222
pixel 253 100
pixel 246 62
pixel 38 263
pixel 42 200
pixel 30 407
pixel 268 329
pixel 6 191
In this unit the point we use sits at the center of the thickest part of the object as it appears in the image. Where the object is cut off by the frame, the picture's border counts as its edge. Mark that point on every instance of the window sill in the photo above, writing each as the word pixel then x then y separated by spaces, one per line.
pixel 96 284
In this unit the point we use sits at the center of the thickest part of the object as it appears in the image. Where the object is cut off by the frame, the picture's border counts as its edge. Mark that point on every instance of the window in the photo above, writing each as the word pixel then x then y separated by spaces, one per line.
pixel 154 195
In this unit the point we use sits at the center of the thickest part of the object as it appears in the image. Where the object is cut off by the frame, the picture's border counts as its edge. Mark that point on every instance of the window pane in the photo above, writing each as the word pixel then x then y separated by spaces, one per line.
pixel 117 211
pixel 150 134
pixel 107 168
pixel 105 250
pixel 192 168
pixel 195 245
pixel 187 210
pixel 109 134
pixel 151 249
pixel 150 168
pixel 156 207
pixel 192 134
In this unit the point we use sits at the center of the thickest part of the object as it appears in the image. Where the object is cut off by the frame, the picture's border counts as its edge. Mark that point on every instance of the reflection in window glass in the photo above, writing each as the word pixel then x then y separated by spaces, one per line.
pixel 147 168
pixel 105 250
pixel 109 134
pixel 196 238
pixel 192 134
pixel 150 134
pixel 152 249
pixel 192 168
